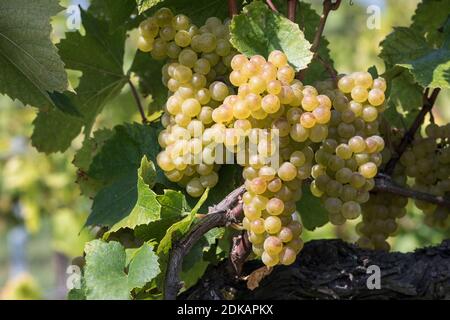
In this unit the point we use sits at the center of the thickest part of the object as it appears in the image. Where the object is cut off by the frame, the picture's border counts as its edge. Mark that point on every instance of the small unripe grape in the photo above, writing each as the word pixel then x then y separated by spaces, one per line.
pixel 344 175
pixel 257 226
pixel 307 120
pixel 369 113
pixel 346 84
pixel 270 103
pixel 274 87
pixel 379 83
pixel 285 234
pixel 287 256
pixel 238 61
pixel 149 28
pixel 275 185
pixel 219 90
pixel 167 33
pixel 269 260
pixel 286 74
pixel 273 245
pixel 202 66
pixel 318 133
pixel 237 78
pixel 333 205
pixel 299 133
pixel 159 50
pixel 145 45
pixel 357 144
pixel 357 180
pixel 368 170
pixel 257 84
pixel 191 107
pixel 351 210
pixel 272 224
pixel 343 151
pixel 275 206
pixel 277 58
pixel 298 158
pixel 363 79
pixel 376 97
pixel 310 102
pixel 258 185
pixel 287 171
pixel 223 47
pixel 359 94
pixel 194 188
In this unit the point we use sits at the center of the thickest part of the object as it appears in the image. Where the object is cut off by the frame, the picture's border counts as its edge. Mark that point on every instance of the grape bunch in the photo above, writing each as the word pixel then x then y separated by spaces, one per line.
pixel 427 161
pixel 196 58
pixel 348 160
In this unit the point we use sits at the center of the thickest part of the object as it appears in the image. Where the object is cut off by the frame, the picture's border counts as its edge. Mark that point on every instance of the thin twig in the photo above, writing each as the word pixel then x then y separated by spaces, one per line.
pixel 271 5
pixel 328 6
pixel 229 210
pixel 137 98
pixel 292 10
pixel 384 183
pixel 428 103
pixel 331 71
pixel 232 8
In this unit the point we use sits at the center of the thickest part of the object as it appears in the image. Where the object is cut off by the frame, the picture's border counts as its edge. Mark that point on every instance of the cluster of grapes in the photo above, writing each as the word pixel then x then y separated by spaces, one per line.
pixel 348 160
pixel 428 162
pixel 266 112
pixel 196 58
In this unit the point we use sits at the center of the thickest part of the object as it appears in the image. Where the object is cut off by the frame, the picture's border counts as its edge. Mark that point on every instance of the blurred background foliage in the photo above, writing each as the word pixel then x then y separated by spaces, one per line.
pixel 51 211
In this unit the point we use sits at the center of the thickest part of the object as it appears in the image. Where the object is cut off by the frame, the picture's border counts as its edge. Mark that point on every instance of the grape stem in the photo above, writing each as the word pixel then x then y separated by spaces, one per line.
pixel 328 6
pixel 428 103
pixel 329 67
pixel 137 98
pixel 292 10
pixel 232 8
pixel 228 211
pixel 384 183
pixel 271 5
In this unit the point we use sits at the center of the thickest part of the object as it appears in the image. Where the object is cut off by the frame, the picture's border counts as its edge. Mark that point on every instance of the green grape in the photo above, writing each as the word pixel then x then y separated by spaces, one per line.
pixel 257 226
pixel 202 66
pixel 187 58
pixel 219 90
pixel 368 170
pixel 145 45
pixel 344 175
pixel 273 245
pixel 287 171
pixel 275 206
pixel 287 256
pixel 357 144
pixel 359 94
pixel 191 107
pixel 333 205
pixel 344 151
pixel 269 260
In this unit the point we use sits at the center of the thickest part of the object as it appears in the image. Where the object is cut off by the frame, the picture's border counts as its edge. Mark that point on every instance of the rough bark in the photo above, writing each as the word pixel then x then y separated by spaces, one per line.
pixel 333 269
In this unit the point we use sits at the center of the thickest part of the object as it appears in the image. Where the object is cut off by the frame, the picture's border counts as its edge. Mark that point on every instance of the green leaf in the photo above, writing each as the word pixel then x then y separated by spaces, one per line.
pixel 116 12
pixel 144 267
pixel 173 206
pixel 149 72
pixel 429 18
pixel 404 100
pixel 146 208
pixel 29 62
pixel 144 5
pixel 407 48
pixel 180 228
pixel 311 210
pixel 104 272
pixel 259 30
pixel 99 56
pixel 63 103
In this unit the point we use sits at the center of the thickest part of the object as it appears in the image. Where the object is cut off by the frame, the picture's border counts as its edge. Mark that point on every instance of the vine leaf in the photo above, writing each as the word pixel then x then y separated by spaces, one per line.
pixel 311 210
pixel 29 62
pixel 99 56
pixel 116 12
pixel 407 48
pixel 259 30
pixel 405 100
pixel 104 275
pixel 429 18
pixel 116 166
